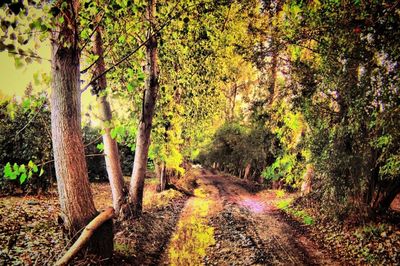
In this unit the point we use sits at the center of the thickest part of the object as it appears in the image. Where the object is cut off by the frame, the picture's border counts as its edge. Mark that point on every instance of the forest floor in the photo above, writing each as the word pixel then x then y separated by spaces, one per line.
pixel 227 221
pixel 234 222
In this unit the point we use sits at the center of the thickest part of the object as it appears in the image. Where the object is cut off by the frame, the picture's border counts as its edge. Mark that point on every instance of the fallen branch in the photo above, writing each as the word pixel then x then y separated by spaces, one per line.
pixel 85 236
pixel 180 189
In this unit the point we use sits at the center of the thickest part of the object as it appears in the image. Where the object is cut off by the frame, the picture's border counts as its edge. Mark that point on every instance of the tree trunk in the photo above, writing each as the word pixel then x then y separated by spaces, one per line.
pixel 75 196
pixel 163 177
pixel 149 101
pixel 274 70
pixel 275 55
pixel 113 164
pixel 247 172
pixel 383 201
pixel 84 238
pixel 233 104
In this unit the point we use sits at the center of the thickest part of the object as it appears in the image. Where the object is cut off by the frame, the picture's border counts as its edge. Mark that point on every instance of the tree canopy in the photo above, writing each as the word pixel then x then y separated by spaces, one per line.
pixel 260 89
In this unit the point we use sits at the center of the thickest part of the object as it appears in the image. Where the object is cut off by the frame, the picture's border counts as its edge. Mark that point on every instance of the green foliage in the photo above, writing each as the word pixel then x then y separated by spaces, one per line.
pixel 20 172
pixel 25 144
pixel 346 83
pixel 291 158
pixel 285 205
pixel 25 25
pixel 280 193
pixel 100 147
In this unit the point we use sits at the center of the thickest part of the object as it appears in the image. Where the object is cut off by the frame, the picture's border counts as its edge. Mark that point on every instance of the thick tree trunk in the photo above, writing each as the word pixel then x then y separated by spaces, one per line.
pixel 145 124
pixel 113 164
pixel 75 196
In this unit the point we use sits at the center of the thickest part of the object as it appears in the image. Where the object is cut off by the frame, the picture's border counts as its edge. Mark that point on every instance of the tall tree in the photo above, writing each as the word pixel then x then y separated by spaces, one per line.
pixel 75 196
pixel 145 124
pixel 112 159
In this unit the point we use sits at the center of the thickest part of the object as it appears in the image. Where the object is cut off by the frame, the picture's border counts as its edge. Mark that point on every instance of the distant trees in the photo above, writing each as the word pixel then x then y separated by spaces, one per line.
pixel 240 150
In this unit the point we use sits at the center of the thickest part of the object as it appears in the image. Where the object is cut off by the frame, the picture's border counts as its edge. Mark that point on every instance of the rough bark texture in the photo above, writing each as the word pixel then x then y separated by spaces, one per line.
pixel 75 196
pixel 149 100
pixel 113 164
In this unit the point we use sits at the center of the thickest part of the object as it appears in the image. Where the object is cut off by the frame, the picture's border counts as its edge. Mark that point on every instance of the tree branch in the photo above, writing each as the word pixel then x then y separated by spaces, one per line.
pixel 30 120
pixel 86 235
pixel 93 31
pixel 131 52
pixel 30 56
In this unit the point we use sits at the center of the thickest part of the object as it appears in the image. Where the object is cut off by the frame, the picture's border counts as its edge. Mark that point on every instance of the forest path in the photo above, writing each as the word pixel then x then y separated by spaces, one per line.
pixel 228 223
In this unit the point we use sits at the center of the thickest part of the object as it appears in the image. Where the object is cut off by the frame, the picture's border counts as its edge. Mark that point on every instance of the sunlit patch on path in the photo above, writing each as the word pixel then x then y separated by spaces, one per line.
pixel 228 222
pixel 193 234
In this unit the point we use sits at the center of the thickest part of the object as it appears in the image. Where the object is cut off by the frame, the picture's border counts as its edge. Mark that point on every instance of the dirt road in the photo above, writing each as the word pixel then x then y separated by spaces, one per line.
pixel 228 223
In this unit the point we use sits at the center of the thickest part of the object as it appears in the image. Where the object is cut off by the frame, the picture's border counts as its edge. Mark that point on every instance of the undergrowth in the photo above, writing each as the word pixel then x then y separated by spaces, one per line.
pixel 298 214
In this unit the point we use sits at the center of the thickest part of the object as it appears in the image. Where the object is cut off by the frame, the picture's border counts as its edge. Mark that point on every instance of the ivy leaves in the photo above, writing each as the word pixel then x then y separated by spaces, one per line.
pixel 21 172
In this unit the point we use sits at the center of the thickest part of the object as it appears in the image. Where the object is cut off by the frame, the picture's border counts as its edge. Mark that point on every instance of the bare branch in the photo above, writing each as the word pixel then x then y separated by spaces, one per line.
pixel 125 57
pixel 29 56
pixel 93 31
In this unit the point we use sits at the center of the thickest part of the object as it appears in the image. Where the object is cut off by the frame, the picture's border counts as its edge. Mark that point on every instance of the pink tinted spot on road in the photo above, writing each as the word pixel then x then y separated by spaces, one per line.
pixel 253 205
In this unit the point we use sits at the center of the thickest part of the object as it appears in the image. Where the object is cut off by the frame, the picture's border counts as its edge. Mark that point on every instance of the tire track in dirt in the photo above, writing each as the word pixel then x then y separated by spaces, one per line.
pixel 250 231
pixel 227 223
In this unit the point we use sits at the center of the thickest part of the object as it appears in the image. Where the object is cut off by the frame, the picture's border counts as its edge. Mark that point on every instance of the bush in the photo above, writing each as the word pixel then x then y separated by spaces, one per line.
pixel 25 140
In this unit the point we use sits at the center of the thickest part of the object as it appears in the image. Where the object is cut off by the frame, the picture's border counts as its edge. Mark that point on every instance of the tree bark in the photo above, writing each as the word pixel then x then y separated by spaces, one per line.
pixel 233 104
pixel 75 196
pixel 274 55
pixel 112 159
pixel 247 171
pixel 163 177
pixel 145 124
pixel 386 197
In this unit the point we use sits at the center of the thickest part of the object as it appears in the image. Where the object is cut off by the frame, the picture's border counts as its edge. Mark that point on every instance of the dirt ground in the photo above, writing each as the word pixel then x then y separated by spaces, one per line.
pixel 248 229
pixel 226 221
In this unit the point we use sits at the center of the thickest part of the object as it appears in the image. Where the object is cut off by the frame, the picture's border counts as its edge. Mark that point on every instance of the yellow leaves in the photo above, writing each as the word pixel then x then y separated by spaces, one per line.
pixel 153 199
pixel 315 5
pixel 306 153
pixel 199 192
pixel 305 52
